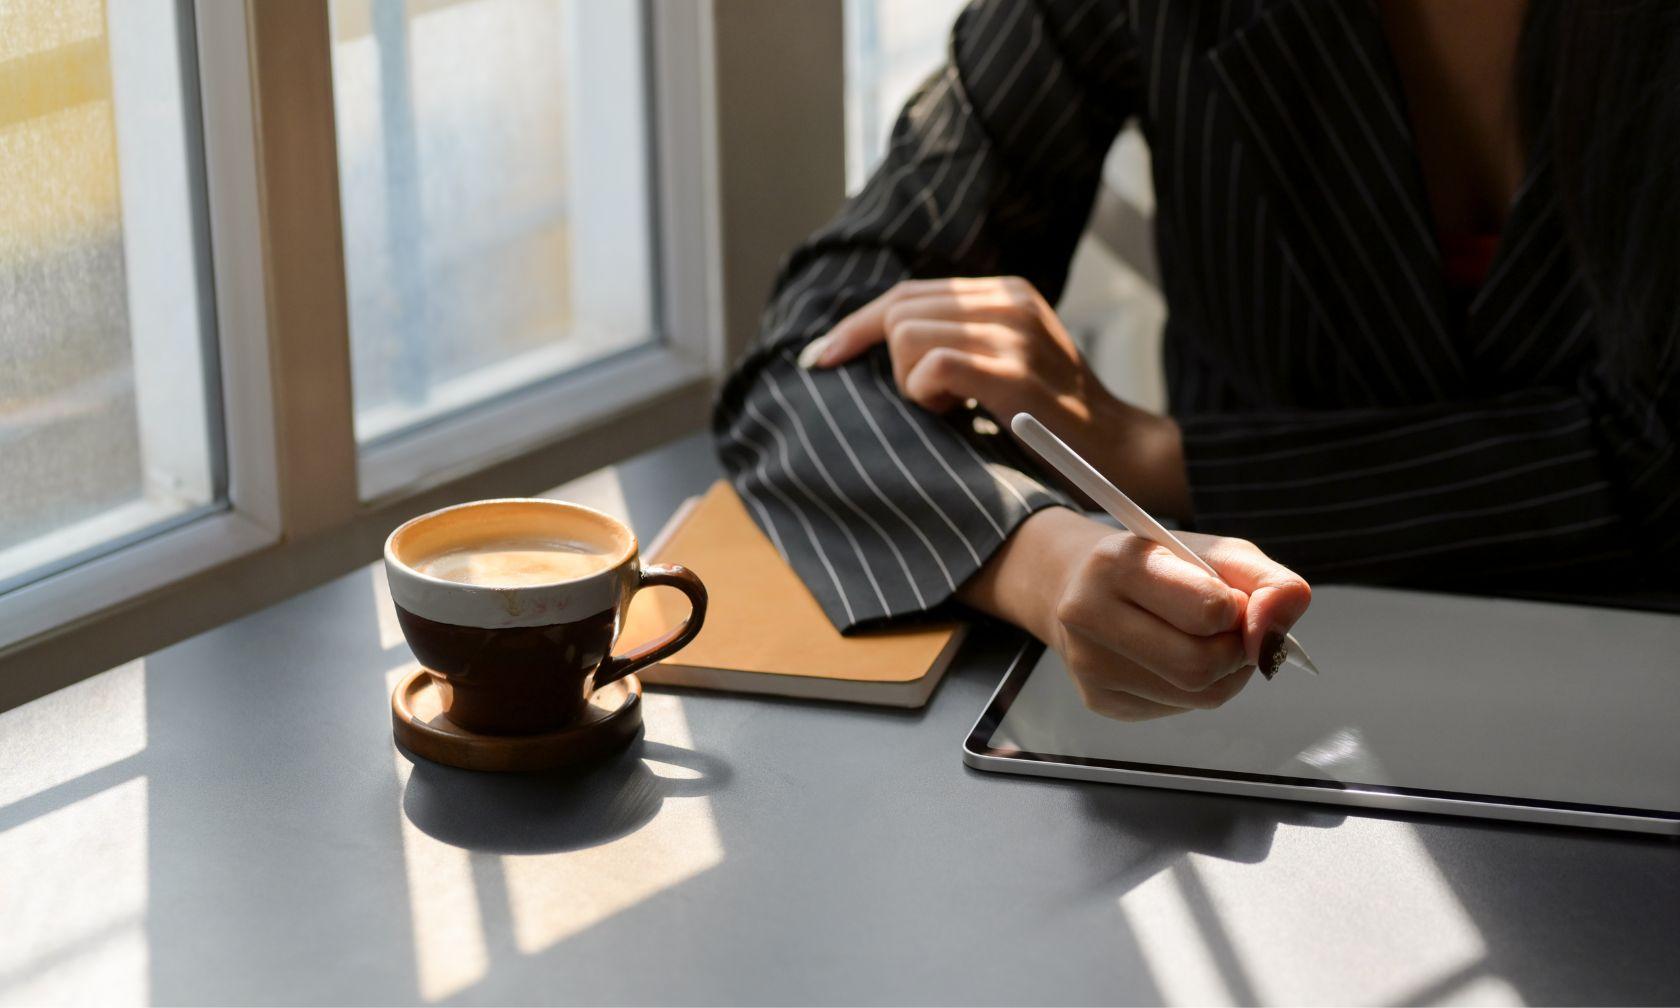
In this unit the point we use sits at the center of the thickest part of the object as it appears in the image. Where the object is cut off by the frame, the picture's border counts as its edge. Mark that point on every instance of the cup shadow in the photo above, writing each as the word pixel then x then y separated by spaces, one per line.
pixel 550 811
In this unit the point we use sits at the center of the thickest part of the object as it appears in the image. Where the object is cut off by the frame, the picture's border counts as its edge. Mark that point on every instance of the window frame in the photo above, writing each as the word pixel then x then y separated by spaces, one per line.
pixel 261 386
pixel 205 537
pixel 298 513
pixel 685 326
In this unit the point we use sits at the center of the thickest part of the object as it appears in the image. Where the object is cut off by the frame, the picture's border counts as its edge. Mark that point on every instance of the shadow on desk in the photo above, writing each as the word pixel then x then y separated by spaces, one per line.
pixel 539 813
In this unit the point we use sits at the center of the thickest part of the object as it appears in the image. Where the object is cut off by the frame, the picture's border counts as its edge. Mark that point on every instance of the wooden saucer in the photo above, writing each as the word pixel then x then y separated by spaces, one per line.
pixel 613 718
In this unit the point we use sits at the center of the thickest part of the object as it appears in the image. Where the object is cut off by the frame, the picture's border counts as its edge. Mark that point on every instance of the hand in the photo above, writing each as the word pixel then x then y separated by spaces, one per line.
pixel 997 341
pixel 1143 633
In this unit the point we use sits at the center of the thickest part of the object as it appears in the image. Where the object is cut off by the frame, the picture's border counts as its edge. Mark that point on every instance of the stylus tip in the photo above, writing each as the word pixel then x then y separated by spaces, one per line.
pixel 1297 655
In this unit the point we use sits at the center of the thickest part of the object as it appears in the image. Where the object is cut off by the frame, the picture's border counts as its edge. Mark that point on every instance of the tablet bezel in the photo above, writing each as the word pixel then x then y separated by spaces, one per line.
pixel 981 755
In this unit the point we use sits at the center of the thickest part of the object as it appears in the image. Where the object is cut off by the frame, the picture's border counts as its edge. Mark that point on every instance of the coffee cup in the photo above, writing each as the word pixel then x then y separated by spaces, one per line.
pixel 514 606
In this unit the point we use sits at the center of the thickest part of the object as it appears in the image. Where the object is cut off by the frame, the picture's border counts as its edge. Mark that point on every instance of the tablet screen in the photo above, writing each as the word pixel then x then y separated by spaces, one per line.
pixel 1435 695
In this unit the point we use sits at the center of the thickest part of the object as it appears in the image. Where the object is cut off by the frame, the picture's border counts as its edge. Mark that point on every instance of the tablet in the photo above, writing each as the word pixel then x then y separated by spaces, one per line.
pixel 1492 708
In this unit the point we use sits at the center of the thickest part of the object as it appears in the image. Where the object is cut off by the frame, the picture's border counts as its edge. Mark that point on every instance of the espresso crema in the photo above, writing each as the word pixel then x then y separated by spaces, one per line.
pixel 517 563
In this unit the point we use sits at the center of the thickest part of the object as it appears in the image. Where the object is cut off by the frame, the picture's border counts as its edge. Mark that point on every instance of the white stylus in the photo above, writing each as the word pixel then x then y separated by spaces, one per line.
pixel 1134 519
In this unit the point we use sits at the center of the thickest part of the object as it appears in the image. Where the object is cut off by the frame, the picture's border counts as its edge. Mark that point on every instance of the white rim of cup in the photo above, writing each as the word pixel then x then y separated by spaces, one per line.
pixel 408 568
pixel 490 607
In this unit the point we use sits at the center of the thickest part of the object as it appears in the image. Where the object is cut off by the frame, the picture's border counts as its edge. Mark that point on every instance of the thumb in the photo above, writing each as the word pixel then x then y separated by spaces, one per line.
pixel 1272 610
pixel 850 337
pixel 1277 596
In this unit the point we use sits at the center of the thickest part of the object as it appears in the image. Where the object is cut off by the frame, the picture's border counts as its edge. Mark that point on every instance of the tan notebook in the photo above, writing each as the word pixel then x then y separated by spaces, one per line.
pixel 764 631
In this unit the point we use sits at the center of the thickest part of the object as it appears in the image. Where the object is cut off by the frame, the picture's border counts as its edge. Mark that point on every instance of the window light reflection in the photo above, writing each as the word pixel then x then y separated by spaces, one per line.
pixel 85 938
pixel 450 953
pixel 462 928
pixel 390 631
pixel 86 935
pixel 32 751
pixel 1316 891
pixel 555 896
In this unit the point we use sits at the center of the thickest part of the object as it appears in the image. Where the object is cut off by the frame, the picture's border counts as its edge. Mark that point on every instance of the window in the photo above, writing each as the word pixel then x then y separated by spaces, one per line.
pixel 200 412
pixel 891 47
pixel 496 200
pixel 109 428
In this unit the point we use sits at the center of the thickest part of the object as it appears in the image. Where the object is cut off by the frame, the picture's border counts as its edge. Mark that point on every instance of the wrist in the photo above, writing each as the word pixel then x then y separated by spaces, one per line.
pixel 1144 455
pixel 1172 483
pixel 1023 581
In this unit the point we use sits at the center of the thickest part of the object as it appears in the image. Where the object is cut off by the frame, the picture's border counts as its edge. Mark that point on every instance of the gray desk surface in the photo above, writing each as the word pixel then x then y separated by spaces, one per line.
pixel 227 821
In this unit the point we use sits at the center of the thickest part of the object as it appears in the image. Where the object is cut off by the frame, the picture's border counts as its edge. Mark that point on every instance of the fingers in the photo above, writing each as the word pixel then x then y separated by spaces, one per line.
pixel 1115 687
pixel 1182 594
pixel 1146 634
pixel 1180 667
pixel 986 306
pixel 850 337
pixel 910 340
pixel 944 378
pixel 1277 596
pixel 950 299
pixel 1010 286
pixel 1125 706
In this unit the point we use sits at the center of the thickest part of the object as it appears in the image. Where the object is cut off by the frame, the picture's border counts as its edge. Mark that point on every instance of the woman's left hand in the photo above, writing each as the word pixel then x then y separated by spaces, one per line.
pixel 996 340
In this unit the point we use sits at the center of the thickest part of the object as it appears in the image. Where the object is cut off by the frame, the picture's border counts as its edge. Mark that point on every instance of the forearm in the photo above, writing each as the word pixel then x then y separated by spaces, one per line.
pixel 1142 453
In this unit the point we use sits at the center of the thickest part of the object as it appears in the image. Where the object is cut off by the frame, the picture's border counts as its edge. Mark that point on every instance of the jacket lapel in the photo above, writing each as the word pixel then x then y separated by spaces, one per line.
pixel 1317 99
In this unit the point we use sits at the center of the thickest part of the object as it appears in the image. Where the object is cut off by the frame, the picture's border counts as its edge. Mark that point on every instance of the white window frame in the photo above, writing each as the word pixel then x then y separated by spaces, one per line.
pixel 251 519
pixel 685 285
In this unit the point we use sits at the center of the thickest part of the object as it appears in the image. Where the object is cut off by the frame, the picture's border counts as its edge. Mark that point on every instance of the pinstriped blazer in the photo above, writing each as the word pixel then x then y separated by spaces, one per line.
pixel 1333 410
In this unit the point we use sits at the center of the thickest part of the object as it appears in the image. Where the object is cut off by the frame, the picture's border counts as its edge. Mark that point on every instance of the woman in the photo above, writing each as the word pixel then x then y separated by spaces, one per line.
pixel 1420 259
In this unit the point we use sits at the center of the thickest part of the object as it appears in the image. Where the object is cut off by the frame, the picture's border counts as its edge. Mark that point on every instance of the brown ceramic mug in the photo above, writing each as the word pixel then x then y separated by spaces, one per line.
pixel 514 606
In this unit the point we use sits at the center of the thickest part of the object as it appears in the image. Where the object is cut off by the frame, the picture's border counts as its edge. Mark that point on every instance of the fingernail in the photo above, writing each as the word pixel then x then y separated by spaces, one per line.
pixel 813 351
pixel 1273 651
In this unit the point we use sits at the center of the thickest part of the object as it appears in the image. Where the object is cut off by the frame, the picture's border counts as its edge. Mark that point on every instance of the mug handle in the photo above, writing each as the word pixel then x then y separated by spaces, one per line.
pixel 616 667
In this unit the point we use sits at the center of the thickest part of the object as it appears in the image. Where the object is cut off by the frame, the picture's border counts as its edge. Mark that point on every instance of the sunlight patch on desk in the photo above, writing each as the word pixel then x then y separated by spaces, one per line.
pixel 1183 966
pixel 1482 990
pixel 1366 897
pixel 450 953
pixel 34 752
pixel 554 896
pixel 79 936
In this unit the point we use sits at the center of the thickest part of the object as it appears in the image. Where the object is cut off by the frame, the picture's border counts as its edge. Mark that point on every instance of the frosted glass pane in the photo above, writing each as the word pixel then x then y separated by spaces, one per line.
pixel 104 429
pixel 492 165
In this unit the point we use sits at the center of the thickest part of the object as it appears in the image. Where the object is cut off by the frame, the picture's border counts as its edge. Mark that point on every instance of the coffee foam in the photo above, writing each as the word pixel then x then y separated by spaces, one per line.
pixel 519 524
pixel 516 563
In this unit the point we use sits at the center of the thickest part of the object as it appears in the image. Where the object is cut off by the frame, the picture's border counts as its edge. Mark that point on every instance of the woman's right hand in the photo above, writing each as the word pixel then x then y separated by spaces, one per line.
pixel 1143 633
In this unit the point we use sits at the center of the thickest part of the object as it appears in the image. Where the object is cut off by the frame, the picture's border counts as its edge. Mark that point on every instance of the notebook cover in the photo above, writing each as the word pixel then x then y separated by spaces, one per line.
pixel 762 620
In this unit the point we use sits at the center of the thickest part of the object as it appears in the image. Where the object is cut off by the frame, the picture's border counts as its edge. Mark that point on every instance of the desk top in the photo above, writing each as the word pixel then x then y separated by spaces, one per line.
pixel 154 848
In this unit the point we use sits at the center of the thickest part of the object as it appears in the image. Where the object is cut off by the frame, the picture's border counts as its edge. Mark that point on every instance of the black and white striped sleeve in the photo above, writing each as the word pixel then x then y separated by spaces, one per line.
pixel 882 508
pixel 1538 483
